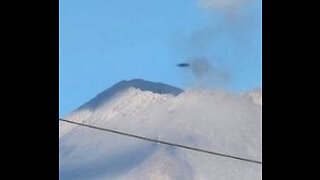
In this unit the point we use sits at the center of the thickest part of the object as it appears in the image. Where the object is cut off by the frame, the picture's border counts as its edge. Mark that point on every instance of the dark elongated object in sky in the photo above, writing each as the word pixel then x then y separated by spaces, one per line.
pixel 183 65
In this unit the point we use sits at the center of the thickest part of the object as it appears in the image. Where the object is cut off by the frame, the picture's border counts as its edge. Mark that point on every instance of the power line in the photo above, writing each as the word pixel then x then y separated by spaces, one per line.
pixel 162 142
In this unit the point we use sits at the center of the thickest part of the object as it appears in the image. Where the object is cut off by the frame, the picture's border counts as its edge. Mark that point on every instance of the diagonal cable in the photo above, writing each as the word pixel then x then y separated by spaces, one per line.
pixel 163 142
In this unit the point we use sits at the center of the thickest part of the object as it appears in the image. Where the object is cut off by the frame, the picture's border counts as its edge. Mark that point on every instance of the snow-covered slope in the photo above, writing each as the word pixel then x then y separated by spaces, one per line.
pixel 213 120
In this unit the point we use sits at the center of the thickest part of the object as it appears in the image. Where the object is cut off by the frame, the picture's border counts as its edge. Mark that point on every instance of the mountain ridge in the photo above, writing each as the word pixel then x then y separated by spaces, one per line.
pixel 121 86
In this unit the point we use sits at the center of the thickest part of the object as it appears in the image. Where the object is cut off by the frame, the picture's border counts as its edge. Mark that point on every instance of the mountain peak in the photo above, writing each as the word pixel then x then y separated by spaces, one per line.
pixel 144 85
pixel 121 86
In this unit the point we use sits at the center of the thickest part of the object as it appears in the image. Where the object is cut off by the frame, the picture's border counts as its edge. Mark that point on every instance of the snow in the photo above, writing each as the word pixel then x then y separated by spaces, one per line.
pixel 208 119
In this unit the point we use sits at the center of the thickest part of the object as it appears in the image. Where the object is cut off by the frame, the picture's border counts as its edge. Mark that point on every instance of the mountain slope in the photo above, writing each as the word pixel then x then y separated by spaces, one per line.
pixel 213 120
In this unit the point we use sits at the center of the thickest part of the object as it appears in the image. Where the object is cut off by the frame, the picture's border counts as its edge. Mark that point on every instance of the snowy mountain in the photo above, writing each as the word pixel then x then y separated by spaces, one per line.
pixel 214 120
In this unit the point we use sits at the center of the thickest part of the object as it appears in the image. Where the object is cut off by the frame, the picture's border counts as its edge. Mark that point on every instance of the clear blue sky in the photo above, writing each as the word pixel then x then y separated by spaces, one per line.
pixel 105 41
